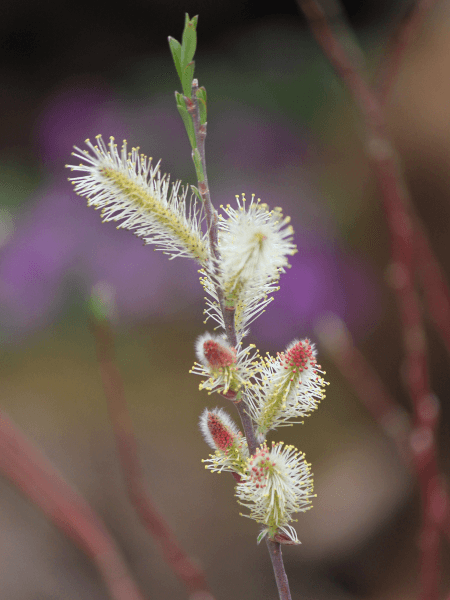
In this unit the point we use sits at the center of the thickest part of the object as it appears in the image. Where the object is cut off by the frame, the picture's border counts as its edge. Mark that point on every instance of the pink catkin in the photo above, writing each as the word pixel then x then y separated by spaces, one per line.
pixel 299 356
pixel 217 355
pixel 259 466
pixel 221 435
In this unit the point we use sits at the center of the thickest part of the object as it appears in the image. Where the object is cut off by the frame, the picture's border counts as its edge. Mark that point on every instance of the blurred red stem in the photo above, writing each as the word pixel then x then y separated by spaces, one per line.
pixel 189 573
pixel 417 449
pixel 433 281
pixel 29 470
pixel 396 205
pixel 434 284
pixel 437 298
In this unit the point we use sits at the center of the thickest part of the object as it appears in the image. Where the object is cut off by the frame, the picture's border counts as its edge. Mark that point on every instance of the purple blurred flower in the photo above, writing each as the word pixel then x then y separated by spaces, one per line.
pixel 256 140
pixel 61 241
pixel 77 110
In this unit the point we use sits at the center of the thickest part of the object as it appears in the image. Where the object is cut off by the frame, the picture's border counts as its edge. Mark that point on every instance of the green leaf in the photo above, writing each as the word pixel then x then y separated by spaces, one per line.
pixel 201 95
pixel 186 79
pixel 186 119
pixel 197 192
pixel 175 48
pixel 184 53
pixel 198 165
pixel 189 41
pixel 260 536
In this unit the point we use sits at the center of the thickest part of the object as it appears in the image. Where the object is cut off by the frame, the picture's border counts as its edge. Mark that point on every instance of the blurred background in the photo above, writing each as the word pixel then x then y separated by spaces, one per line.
pixel 281 126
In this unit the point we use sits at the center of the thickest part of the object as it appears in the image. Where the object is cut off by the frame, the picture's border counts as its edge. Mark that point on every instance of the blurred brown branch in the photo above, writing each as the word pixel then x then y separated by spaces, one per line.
pixel 434 284
pixel 30 471
pixel 178 560
pixel 347 59
pixel 433 281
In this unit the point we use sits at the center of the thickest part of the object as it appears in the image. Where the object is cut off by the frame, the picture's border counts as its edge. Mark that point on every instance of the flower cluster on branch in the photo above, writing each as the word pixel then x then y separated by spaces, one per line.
pixel 253 247
pixel 242 254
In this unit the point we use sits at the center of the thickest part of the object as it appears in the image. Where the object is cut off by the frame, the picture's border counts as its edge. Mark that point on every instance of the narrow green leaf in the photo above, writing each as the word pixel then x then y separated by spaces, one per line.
pixel 260 536
pixel 175 48
pixel 189 43
pixel 186 79
pixel 197 192
pixel 186 119
pixel 201 95
pixel 198 165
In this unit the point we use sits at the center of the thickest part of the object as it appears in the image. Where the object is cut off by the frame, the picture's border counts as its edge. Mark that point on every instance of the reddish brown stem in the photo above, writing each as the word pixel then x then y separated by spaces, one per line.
pixel 434 501
pixel 228 314
pixel 413 446
pixel 212 223
pixel 29 470
pixel 434 285
pixel 396 202
pixel 278 568
pixel 433 281
pixel 211 214
pixel 189 573
pixel 247 424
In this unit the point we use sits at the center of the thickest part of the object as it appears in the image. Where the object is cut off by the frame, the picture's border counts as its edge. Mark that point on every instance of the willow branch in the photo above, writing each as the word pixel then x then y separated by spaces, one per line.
pixel 413 446
pixel 177 559
pixel 228 316
pixel 30 471
pixel 416 448
pixel 278 568
pixel 211 214
pixel 396 204
pixel 433 280
pixel 434 285
pixel 211 221
pixel 247 424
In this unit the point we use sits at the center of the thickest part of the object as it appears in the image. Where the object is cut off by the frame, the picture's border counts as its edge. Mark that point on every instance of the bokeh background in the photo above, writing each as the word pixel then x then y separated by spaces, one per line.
pixel 281 126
